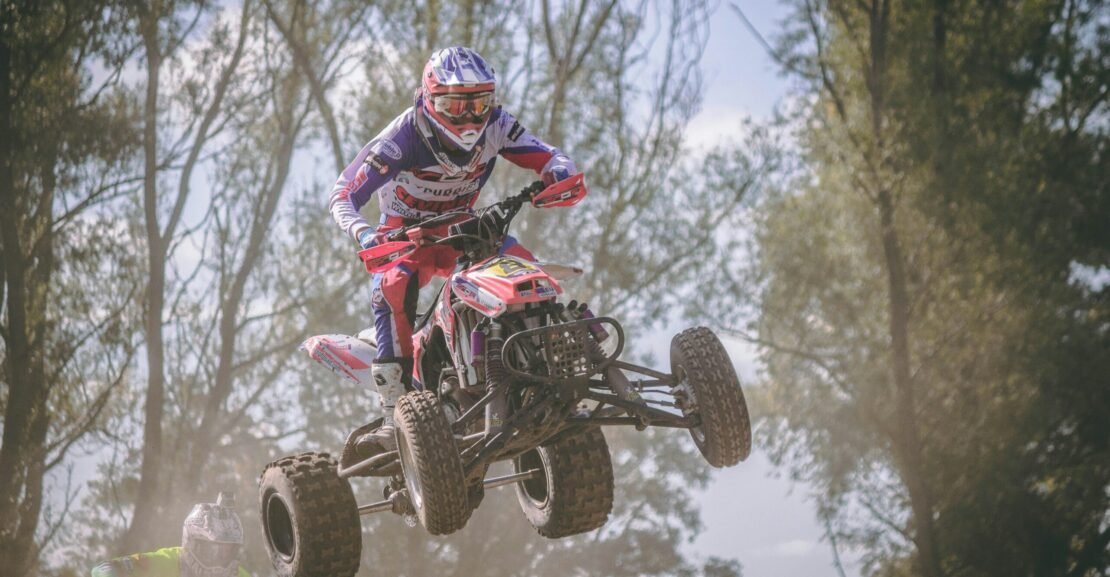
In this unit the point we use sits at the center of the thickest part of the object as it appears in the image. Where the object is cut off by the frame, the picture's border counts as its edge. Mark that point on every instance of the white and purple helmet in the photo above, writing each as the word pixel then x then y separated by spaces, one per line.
pixel 456 95
pixel 212 539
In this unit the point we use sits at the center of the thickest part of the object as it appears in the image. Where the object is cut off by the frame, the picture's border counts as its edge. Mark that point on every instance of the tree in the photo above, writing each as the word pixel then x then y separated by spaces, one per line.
pixel 160 47
pixel 928 358
pixel 65 140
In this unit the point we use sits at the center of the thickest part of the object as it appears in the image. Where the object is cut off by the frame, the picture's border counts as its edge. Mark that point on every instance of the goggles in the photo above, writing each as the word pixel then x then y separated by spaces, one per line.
pixel 463 107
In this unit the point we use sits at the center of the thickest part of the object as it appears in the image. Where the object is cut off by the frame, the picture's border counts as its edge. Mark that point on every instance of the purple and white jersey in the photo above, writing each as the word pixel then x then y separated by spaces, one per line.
pixel 412 184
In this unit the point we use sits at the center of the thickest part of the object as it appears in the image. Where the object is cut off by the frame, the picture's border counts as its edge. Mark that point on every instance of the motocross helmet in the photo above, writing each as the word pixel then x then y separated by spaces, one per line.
pixel 454 104
pixel 212 539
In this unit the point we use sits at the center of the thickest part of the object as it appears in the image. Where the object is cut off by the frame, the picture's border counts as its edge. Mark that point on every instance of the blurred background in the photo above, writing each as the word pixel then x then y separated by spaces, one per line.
pixel 894 213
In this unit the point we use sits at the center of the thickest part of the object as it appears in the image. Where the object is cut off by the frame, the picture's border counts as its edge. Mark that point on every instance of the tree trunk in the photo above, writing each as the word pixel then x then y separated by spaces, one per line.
pixel 468 23
pixel 431 21
pixel 907 444
pixel 908 450
pixel 146 507
pixel 26 414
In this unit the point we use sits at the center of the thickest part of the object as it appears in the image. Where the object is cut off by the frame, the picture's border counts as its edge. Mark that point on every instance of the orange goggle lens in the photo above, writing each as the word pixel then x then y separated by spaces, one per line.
pixel 463 106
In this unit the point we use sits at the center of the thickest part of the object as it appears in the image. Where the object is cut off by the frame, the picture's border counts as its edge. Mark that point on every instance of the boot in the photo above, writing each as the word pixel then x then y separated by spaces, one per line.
pixel 387 376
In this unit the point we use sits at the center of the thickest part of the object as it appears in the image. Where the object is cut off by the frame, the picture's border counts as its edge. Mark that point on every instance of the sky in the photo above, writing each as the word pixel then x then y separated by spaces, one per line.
pixel 767 523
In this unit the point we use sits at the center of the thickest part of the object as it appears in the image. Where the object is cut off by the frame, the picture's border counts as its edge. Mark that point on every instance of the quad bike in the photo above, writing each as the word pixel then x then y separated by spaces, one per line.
pixel 502 371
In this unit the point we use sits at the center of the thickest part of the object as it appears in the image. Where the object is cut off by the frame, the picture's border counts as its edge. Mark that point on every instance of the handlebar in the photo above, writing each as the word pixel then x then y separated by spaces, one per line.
pixel 513 204
pixel 476 233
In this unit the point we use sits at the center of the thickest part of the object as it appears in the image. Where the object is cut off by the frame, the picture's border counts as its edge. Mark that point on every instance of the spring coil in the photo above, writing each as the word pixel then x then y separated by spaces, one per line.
pixel 495 366
pixel 498 408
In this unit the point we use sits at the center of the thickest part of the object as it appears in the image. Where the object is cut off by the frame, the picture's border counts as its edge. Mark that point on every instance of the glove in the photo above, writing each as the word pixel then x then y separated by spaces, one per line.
pixel 417 235
pixel 558 168
pixel 369 237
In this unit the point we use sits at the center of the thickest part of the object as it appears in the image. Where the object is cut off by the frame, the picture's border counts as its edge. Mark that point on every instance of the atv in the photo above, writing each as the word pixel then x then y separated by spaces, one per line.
pixel 503 370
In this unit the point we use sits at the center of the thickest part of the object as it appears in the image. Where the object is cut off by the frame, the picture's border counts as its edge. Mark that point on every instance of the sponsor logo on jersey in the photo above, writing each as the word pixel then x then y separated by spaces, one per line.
pixel 515 131
pixel 359 180
pixel 377 164
pixel 430 175
pixel 389 148
pixel 436 206
pixel 398 208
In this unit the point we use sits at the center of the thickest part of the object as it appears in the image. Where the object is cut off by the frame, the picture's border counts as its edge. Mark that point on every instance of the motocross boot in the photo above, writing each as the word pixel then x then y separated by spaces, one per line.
pixel 387 376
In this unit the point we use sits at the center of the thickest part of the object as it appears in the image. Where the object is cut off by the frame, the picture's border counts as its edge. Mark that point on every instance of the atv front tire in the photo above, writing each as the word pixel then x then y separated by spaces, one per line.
pixel 309 517
pixel 574 491
pixel 709 389
pixel 430 463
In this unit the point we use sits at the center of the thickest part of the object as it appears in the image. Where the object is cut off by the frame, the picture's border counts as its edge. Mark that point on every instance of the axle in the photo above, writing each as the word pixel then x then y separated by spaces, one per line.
pixel 398 501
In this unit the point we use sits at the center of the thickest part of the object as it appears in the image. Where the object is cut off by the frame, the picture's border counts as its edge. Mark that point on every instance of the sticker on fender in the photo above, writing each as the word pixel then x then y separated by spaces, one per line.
pixel 507 267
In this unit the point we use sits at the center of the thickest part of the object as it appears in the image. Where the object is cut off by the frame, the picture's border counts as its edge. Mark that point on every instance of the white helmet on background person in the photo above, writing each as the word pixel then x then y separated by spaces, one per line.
pixel 212 539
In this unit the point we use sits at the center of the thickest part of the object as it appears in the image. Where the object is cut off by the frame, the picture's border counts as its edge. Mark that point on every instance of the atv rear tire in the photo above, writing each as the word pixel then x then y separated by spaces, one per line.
pixel 574 492
pixel 709 388
pixel 310 518
pixel 430 463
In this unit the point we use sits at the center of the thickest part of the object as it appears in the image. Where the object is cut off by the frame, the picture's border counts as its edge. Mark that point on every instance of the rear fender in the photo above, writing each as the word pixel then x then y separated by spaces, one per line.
pixel 560 271
pixel 346 356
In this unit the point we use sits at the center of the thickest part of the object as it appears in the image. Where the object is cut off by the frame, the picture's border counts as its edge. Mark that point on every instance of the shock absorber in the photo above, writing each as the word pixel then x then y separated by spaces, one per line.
pixel 496 376
pixel 478 353
pixel 617 381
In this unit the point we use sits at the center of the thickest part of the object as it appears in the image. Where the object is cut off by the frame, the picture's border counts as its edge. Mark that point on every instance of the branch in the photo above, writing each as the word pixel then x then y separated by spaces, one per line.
pixel 52 531
pixel 63 445
pixel 594 33
pixel 886 521
pixel 81 340
pixel 548 32
pixel 209 117
pixel 92 198
pixel 774 55
pixel 265 353
pixel 316 89
pixel 832 543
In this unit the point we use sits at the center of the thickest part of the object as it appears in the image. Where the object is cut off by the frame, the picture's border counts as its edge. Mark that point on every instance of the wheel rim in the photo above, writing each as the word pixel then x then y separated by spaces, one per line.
pixel 409 471
pixel 684 385
pixel 535 489
pixel 279 527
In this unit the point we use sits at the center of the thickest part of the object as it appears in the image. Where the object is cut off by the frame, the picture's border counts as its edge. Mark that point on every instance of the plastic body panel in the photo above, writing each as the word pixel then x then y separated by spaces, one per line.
pixel 494 284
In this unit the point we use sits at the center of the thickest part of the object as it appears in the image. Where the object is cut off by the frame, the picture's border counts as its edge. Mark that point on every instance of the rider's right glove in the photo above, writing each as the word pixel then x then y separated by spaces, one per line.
pixel 369 237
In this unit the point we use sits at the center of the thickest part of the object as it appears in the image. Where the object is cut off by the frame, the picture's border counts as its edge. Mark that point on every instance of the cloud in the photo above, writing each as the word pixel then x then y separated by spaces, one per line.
pixel 794 548
pixel 716 125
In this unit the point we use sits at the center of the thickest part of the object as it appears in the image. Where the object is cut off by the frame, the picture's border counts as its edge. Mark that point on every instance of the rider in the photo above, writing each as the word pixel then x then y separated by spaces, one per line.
pixel 211 546
pixel 433 158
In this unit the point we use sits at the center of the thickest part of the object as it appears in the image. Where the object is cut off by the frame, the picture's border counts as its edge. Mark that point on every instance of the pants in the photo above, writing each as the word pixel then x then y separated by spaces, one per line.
pixel 395 293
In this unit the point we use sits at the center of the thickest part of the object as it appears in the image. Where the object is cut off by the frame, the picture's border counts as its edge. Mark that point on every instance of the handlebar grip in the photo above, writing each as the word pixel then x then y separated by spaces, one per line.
pixel 535 188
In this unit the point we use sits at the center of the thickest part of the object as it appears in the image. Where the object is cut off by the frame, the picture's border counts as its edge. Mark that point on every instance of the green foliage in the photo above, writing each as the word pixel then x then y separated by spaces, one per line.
pixel 985 126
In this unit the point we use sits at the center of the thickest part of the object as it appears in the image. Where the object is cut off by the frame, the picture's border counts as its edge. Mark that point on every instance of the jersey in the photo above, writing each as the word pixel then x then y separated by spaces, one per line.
pixel 412 184
pixel 161 563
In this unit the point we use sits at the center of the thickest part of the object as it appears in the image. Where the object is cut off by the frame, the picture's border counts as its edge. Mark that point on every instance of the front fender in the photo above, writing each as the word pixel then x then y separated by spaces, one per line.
pixel 347 356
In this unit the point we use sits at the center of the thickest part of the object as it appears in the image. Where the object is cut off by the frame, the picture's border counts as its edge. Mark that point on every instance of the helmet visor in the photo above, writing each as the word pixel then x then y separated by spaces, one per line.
pixel 213 554
pixel 461 108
